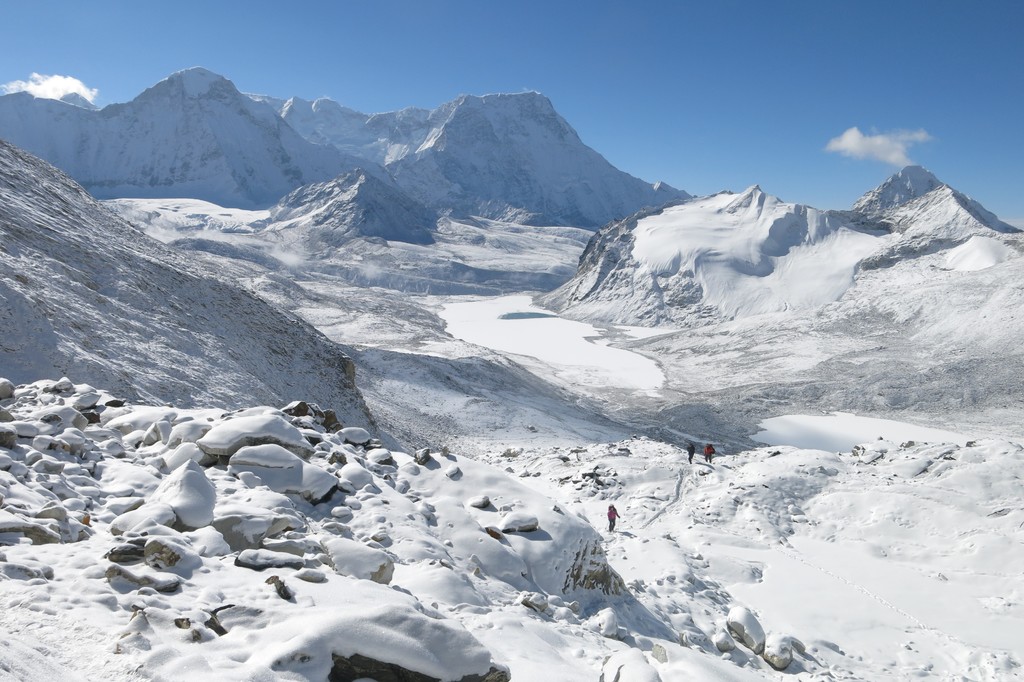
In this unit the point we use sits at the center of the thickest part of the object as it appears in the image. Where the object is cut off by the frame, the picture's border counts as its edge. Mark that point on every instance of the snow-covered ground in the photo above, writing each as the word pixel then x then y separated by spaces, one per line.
pixel 156 542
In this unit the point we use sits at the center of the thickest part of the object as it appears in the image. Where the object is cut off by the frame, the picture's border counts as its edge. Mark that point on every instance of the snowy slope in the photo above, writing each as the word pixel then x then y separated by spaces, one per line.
pixel 83 292
pixel 192 134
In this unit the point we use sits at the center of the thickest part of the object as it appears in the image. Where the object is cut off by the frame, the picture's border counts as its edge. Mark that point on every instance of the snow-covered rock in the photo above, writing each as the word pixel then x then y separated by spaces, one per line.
pixel 283 472
pixel 190 494
pixel 744 626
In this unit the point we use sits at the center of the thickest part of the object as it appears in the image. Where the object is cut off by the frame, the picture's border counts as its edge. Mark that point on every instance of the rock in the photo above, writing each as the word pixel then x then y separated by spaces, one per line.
pixel 380 456
pixel 607 623
pixel 534 601
pixel 165 584
pixel 284 472
pixel 778 651
pixel 190 494
pixel 422 457
pixel 300 408
pixel 283 591
pixel 479 502
pixel 311 575
pixel 6 389
pixel 228 437
pixel 261 559
pixel 162 553
pixel 5 416
pixel 355 435
pixel 356 477
pixel 140 519
pixel 494 532
pixel 590 571
pixel 453 472
pixel 127 553
pixel 247 531
pixel 22 572
pixel 519 522
pixel 8 437
pixel 659 653
pixel 723 641
pixel 38 533
pixel 743 625
pixel 187 432
pixel 355 559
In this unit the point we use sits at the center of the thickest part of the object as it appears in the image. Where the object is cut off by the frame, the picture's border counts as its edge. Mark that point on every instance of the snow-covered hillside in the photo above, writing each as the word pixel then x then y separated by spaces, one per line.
pixel 83 292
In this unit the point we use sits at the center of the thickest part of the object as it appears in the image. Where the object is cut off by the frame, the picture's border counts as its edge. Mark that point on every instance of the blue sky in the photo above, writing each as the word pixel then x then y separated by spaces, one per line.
pixel 707 96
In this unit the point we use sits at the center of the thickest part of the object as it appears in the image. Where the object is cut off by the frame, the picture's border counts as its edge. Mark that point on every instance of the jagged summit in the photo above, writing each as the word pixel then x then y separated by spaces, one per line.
pixel 78 101
pixel 355 204
pixel 907 184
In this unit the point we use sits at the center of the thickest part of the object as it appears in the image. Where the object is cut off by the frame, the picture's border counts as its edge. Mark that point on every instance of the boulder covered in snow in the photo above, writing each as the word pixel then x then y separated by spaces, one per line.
pixel 228 437
pixel 744 626
pixel 283 472
pixel 357 560
pixel 519 522
pixel 190 494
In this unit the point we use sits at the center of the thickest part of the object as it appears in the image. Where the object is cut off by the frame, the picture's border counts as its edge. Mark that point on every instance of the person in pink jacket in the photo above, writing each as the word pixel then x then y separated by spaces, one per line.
pixel 613 514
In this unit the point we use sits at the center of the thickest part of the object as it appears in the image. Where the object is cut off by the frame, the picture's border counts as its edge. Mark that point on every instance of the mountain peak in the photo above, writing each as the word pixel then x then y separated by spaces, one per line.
pixel 196 81
pixel 909 183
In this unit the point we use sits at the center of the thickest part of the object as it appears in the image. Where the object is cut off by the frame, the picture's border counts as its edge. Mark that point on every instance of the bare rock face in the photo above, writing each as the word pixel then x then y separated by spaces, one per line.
pixel 590 571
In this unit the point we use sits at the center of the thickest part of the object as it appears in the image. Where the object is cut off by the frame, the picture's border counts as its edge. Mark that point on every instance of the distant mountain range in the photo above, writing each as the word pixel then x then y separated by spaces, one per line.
pixel 506 157
pixel 735 255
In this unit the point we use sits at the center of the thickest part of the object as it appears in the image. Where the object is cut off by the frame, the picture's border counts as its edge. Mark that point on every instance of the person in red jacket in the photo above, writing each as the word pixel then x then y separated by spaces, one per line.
pixel 709 450
pixel 613 514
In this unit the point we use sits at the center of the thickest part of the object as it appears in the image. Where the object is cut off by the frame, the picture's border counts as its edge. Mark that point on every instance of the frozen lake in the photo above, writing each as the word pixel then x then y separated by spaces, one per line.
pixel 572 352
pixel 840 431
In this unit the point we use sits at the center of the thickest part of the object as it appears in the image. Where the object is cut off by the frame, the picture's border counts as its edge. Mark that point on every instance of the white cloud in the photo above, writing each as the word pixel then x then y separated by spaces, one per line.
pixel 51 87
pixel 887 147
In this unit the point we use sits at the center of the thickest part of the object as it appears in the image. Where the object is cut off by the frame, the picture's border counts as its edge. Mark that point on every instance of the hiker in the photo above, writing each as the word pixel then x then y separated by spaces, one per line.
pixel 613 514
pixel 690 449
pixel 709 450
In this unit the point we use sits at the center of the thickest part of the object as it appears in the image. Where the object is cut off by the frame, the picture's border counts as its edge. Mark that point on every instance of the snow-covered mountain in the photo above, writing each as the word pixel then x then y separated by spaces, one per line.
pixel 505 157
pixel 355 204
pixel 508 157
pixel 512 157
pixel 82 292
pixel 909 183
pixel 192 134
pixel 730 256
